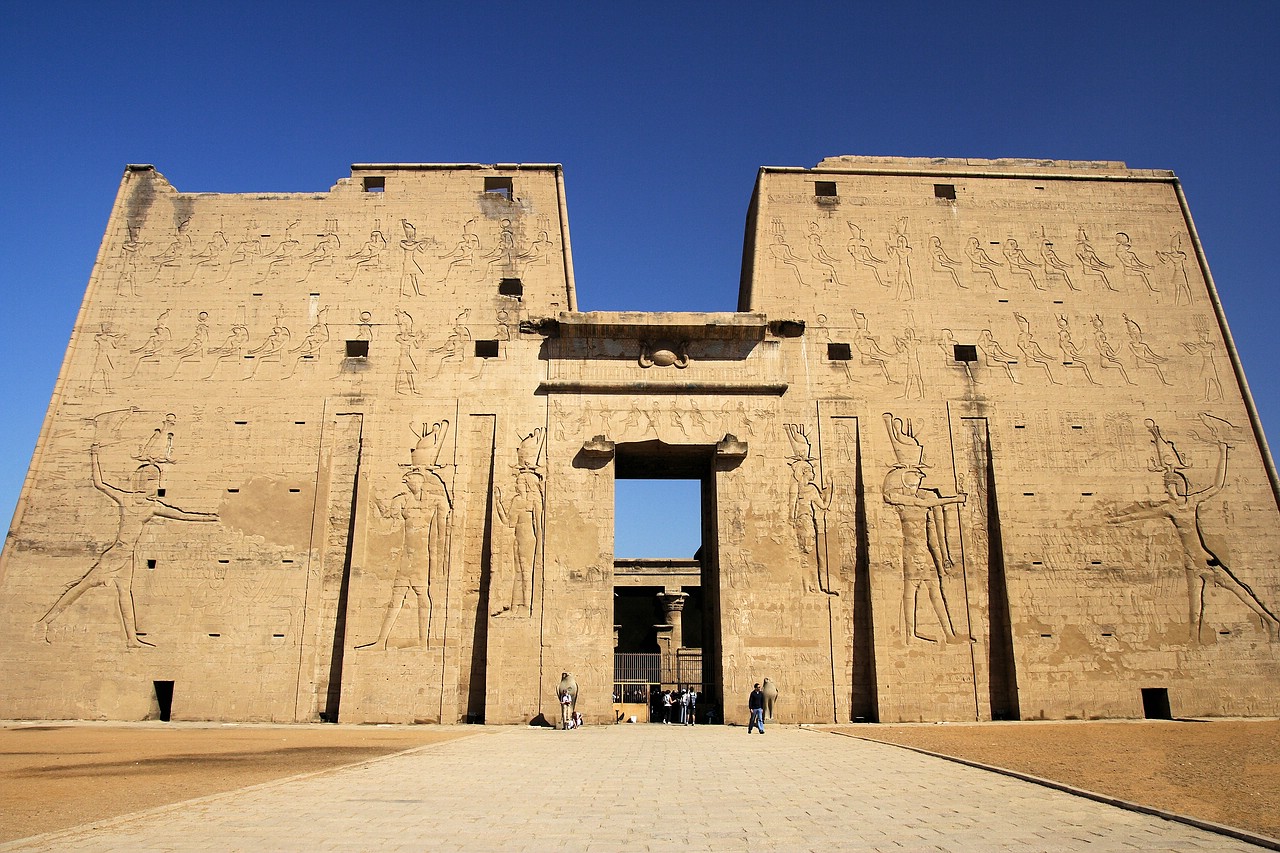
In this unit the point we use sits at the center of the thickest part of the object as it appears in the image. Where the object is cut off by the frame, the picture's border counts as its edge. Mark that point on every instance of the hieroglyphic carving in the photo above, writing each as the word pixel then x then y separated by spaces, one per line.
pixel 1091 266
pixel 522 513
pixel 154 346
pixel 406 367
pixel 868 346
pixel 1070 352
pixel 463 256
pixel 1054 267
pixel 369 258
pixel 1207 350
pixel 862 254
pixel 195 349
pixel 781 251
pixel 994 355
pixel 104 343
pixel 233 347
pixel 1176 259
pixel 1143 354
pixel 115 566
pixel 981 264
pixel 1030 349
pixel 898 251
pixel 503 256
pixel 1130 263
pixel 423 511
pixel 324 254
pixel 819 255
pixel 274 347
pixel 410 269
pixel 311 346
pixel 809 505
pixel 1106 352
pixel 1203 567
pixel 925 550
pixel 1019 263
pixel 942 263
pixel 909 346
pixel 130 252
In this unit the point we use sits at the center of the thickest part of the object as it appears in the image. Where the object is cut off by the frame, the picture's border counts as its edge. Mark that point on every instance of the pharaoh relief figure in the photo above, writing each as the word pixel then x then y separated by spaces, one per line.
pixel 926 556
pixel 1203 563
pixel 137 507
pixel 512 589
pixel 422 511
pixel 809 505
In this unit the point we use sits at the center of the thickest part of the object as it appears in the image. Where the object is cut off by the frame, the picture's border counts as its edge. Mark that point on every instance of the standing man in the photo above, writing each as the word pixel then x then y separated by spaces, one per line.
pixel 755 704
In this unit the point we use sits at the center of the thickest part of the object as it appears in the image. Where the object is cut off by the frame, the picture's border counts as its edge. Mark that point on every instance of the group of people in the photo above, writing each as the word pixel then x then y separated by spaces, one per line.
pixel 680 707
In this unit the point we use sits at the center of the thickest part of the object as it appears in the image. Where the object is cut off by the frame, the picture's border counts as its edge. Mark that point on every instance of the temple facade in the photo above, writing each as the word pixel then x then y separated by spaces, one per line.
pixel 975 444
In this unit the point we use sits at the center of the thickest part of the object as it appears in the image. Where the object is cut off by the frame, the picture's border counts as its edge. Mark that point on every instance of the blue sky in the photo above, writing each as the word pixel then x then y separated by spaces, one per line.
pixel 661 114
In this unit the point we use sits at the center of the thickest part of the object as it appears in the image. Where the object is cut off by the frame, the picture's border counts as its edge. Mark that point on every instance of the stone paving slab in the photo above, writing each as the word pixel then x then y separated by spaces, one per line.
pixel 646 787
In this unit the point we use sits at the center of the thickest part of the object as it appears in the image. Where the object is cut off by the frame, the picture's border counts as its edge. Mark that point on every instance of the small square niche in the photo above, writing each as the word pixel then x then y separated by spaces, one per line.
pixel 375 184
pixel 946 191
pixel 512 287
pixel 966 352
pixel 358 349
pixel 839 352
pixel 486 349
pixel 824 189
pixel 504 187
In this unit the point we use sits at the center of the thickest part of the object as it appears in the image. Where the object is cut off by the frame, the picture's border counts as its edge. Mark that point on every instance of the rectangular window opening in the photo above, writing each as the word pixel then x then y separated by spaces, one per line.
pixel 224 562
pixel 151 564
pixel 164 698
pixel 1002 300
pixel 215 635
pixel 1046 636
pixel 966 352
pixel 294 491
pixel 160 493
pixel 1019 426
pixel 233 491
pixel 1107 634
pixel 357 349
pixel 839 352
pixel 1155 703
pixel 375 184
pixel 824 189
pixel 947 191
pixel 277 636
pixel 504 187
pixel 486 349
pixel 511 287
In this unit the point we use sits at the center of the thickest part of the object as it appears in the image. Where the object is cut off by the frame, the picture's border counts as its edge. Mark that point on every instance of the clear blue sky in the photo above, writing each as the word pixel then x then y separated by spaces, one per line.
pixel 661 114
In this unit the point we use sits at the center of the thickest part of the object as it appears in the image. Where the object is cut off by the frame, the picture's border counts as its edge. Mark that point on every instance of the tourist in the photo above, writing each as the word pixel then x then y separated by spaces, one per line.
pixel 692 719
pixel 755 704
pixel 666 707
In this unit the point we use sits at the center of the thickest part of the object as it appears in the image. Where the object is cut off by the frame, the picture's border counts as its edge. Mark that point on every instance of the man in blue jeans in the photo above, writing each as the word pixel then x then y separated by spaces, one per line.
pixel 755 704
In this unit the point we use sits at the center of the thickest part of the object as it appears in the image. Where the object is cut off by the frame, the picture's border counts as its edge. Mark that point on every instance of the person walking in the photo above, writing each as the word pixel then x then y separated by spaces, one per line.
pixel 666 707
pixel 755 704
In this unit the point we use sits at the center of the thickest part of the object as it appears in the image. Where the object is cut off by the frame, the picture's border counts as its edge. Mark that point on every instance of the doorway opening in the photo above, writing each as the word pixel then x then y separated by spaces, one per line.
pixel 1155 703
pixel 164 698
pixel 666 636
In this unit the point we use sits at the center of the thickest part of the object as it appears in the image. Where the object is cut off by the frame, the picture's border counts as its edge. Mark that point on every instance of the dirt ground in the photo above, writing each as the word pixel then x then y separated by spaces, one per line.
pixel 61 775
pixel 54 776
pixel 1225 771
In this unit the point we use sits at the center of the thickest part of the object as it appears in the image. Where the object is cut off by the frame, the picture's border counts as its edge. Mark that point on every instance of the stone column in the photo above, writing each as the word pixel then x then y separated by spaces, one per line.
pixel 673 603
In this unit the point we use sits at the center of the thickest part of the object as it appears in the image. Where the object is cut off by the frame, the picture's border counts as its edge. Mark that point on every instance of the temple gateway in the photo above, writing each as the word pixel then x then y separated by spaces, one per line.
pixel 975 444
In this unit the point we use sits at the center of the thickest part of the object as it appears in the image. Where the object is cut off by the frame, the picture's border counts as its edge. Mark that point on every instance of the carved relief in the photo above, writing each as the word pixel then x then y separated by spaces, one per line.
pixel 323 255
pixel 463 257
pixel 809 505
pixel 115 566
pixel 1019 263
pixel 369 258
pixel 898 251
pixel 154 346
pixel 868 346
pixel 1176 260
pixel 942 263
pixel 909 347
pixel 233 347
pixel 1054 267
pixel 1070 352
pixel 103 368
pixel 925 550
pixel 781 252
pixel 1091 266
pixel 993 355
pixel 1204 568
pixel 422 512
pixel 512 587
pixel 981 264
pixel 819 255
pixel 1032 354
pixel 664 354
pixel 411 274
pixel 1132 265
pixel 1106 352
pixel 196 348
pixel 863 256
pixel 310 348
pixel 274 347
pixel 1143 354
pixel 1207 349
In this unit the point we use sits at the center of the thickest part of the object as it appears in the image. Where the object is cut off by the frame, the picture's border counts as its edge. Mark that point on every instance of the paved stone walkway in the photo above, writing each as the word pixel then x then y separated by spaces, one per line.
pixel 645 787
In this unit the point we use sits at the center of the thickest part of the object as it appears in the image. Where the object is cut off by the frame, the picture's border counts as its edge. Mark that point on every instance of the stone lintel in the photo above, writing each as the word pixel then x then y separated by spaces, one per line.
pixel 658 325
pixel 606 386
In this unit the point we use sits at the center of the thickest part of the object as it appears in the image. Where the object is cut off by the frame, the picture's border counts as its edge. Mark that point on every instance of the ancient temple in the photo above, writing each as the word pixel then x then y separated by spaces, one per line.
pixel 975 444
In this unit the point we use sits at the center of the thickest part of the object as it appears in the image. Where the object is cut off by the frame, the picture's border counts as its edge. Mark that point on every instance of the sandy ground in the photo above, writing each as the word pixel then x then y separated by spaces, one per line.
pixel 1225 771
pixel 54 776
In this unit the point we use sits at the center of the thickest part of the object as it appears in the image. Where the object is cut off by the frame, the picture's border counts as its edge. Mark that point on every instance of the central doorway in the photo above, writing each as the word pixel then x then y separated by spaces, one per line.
pixel 666 631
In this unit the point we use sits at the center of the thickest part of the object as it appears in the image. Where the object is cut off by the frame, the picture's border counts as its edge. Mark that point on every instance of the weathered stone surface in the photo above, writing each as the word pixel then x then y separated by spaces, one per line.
pixel 976 444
